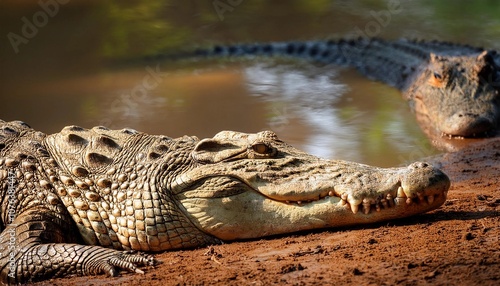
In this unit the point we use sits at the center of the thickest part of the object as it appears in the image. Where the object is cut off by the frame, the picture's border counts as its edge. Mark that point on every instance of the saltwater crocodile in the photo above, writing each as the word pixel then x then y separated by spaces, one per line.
pixel 454 88
pixel 80 201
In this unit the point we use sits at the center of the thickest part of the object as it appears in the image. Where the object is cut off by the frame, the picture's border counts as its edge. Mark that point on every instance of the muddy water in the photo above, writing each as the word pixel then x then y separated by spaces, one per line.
pixel 80 63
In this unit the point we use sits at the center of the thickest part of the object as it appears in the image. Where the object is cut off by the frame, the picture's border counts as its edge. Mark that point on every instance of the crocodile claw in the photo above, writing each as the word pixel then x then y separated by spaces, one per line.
pixel 128 260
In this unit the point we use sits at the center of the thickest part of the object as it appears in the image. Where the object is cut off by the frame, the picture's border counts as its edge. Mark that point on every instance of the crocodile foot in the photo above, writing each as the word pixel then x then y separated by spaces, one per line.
pixel 111 261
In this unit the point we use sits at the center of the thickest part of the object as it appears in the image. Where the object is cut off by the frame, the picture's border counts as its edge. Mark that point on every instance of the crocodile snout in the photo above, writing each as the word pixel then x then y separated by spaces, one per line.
pixel 424 179
pixel 468 125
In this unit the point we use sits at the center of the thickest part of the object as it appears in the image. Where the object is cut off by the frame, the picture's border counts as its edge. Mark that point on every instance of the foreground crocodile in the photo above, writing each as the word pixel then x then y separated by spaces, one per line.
pixel 80 201
pixel 453 88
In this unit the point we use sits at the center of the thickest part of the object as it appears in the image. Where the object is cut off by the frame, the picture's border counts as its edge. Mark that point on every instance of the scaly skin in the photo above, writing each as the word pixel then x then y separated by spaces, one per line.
pixel 81 201
pixel 454 88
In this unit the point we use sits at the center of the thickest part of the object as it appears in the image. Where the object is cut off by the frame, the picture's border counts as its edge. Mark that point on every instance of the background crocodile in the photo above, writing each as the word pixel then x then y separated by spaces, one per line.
pixel 79 201
pixel 454 88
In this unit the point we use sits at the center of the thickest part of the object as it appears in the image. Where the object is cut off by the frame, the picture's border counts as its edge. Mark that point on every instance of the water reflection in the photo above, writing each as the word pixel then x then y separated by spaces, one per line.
pixel 307 94
pixel 314 100
pixel 137 101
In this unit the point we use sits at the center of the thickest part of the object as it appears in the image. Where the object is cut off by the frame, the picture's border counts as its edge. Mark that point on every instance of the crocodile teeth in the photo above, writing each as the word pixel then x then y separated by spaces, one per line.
pixel 354 208
pixel 421 197
pixel 430 199
pixel 343 200
pixel 399 201
pixel 401 193
pixel 390 200
pixel 401 197
pixel 366 206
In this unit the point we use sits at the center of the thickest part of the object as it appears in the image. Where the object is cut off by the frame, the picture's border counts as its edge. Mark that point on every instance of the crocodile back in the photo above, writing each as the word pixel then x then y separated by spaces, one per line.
pixel 114 184
pixel 391 62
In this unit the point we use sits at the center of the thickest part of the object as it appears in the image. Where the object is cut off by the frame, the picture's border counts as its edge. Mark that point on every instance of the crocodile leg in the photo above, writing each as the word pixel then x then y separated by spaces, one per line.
pixel 33 248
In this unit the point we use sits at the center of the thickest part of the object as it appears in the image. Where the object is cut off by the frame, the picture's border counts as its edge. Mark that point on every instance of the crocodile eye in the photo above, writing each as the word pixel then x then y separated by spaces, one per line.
pixel 262 148
pixel 437 79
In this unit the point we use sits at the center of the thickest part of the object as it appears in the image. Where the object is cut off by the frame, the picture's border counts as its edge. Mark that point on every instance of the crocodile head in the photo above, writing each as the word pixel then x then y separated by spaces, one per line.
pixel 459 94
pixel 253 185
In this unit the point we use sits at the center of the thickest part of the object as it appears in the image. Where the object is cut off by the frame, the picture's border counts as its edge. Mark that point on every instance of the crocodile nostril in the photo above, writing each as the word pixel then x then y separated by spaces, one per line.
pixel 419 165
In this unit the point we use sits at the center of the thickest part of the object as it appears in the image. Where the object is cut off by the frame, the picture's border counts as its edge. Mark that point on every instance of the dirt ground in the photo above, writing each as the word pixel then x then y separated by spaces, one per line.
pixel 457 244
